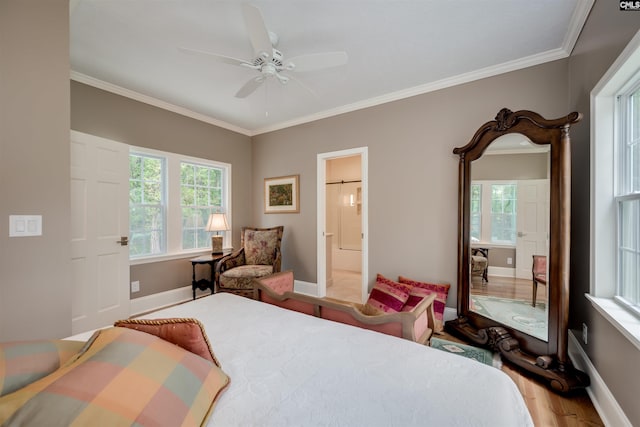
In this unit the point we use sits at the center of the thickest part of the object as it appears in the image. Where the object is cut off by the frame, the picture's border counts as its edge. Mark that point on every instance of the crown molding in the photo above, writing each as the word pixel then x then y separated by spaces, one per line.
pixel 127 93
pixel 575 27
pixel 422 89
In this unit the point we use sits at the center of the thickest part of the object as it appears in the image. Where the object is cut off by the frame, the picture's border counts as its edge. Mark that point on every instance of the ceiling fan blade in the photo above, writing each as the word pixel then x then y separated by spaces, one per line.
pixel 316 61
pixel 304 86
pixel 258 32
pixel 219 58
pixel 249 87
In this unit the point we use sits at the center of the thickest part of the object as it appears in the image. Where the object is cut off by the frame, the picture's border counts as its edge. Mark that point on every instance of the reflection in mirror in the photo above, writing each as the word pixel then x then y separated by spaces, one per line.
pixel 509 227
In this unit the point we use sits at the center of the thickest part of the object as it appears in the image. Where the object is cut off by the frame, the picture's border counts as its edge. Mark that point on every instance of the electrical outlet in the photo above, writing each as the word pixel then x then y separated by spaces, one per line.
pixel 509 261
pixel 585 331
pixel 135 286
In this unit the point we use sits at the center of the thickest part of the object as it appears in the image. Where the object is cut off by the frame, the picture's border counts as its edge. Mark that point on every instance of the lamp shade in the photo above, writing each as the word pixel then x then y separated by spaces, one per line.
pixel 217 222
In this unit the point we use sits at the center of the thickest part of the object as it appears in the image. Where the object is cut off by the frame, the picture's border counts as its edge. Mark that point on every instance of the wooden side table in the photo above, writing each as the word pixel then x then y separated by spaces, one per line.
pixel 204 284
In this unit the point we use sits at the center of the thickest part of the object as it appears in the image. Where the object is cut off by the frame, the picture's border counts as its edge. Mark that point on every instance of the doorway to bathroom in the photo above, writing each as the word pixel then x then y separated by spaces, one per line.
pixel 342 230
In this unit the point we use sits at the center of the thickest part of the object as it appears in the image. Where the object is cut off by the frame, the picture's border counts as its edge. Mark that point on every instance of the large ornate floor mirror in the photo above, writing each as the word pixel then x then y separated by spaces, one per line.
pixel 514 221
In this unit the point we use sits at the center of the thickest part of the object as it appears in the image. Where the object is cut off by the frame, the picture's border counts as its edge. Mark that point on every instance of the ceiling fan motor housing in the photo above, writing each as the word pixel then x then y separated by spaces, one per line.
pixel 276 60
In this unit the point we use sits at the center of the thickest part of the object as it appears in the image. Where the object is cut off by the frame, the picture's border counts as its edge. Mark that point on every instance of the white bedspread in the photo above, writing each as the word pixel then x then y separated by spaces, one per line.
pixel 291 369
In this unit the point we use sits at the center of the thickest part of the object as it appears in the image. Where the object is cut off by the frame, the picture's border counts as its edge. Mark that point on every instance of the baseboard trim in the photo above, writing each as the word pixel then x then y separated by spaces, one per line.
pixel 306 288
pixel 146 304
pixel 160 300
pixel 601 397
pixel 501 271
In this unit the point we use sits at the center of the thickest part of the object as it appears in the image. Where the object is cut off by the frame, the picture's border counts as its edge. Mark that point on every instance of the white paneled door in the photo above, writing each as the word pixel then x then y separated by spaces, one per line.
pixel 99 229
pixel 532 224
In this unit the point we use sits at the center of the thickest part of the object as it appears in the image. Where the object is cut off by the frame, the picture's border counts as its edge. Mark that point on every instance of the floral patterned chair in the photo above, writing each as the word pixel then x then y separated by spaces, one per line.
pixel 480 263
pixel 258 256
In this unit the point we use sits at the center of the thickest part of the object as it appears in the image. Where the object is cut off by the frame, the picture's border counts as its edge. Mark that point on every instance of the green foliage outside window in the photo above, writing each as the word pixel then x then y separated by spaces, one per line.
pixel 201 195
pixel 503 213
pixel 146 205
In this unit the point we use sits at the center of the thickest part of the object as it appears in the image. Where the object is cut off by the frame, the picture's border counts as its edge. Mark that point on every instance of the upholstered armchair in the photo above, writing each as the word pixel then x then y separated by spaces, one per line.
pixel 259 255
pixel 480 263
pixel 539 272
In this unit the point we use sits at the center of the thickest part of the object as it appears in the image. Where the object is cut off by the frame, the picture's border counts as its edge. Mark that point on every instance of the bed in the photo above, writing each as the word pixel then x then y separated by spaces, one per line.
pixel 292 369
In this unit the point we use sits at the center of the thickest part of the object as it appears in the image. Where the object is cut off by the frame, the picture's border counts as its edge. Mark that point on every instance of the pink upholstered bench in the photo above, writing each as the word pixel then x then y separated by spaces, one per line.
pixel 415 325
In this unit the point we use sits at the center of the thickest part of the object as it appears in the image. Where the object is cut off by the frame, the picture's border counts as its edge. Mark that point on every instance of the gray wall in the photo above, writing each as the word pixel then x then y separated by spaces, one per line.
pixel 510 167
pixel 35 272
pixel 603 38
pixel 410 143
pixel 413 175
pixel 105 114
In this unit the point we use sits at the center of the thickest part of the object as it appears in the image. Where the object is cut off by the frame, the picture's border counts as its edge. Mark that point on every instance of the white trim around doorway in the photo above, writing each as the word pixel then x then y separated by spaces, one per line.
pixel 321 224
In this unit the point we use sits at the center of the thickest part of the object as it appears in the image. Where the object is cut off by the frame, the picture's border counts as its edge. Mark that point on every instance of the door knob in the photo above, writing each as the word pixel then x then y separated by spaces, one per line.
pixel 521 234
pixel 124 241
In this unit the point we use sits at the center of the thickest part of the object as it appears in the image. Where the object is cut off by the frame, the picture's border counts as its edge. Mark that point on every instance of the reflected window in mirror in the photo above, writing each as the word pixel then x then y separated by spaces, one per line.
pixel 476 212
pixel 493 207
pixel 503 213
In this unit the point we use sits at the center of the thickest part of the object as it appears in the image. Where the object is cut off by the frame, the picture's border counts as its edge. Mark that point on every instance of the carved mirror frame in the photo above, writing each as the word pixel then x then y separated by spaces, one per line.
pixel 548 359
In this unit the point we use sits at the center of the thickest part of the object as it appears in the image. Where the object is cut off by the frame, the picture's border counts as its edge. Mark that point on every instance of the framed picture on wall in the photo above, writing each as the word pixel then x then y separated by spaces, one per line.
pixel 282 194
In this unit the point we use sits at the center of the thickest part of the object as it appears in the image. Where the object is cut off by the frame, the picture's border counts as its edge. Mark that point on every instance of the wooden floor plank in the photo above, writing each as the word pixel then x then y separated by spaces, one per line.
pixel 548 408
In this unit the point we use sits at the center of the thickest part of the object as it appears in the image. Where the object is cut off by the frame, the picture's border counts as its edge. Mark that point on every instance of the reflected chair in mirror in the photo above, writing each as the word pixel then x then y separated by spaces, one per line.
pixel 259 255
pixel 539 272
pixel 480 263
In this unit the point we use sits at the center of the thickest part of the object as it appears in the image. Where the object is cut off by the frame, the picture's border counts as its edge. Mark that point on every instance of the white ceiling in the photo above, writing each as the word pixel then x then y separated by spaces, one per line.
pixel 396 49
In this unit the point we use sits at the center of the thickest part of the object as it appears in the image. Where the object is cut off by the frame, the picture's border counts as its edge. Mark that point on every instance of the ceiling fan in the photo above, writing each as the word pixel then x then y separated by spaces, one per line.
pixel 269 61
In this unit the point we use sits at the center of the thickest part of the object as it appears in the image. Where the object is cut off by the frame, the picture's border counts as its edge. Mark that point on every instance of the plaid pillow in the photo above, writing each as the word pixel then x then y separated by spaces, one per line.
pixel 122 377
pixel 23 362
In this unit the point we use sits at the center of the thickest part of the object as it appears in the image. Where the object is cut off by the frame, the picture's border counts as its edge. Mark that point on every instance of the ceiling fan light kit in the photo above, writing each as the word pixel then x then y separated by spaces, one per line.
pixel 269 61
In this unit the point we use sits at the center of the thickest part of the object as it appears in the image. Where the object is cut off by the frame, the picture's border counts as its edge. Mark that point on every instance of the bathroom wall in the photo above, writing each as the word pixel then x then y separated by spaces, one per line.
pixel 344 218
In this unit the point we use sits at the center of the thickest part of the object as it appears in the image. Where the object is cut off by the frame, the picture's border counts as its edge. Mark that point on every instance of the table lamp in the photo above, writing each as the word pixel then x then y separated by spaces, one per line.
pixel 217 222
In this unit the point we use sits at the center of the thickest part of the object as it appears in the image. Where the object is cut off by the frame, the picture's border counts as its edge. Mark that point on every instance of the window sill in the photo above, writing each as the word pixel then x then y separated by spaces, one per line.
pixel 169 257
pixel 620 318
pixel 492 245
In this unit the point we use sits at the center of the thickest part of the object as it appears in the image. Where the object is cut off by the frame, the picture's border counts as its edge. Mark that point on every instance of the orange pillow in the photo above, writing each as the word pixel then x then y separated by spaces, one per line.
pixel 183 332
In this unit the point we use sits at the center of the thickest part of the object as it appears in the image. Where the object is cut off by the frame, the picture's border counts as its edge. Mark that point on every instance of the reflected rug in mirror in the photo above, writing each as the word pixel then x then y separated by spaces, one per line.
pixel 479 354
pixel 517 314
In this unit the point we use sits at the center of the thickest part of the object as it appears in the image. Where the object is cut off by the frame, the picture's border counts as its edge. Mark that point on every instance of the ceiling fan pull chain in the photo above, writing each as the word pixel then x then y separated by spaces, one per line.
pixel 266 99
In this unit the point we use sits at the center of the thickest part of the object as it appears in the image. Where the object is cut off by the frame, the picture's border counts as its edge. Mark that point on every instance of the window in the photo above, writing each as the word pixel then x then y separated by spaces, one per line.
pixel 628 197
pixel 493 212
pixel 614 280
pixel 170 199
pixel 503 213
pixel 147 206
pixel 476 211
pixel 200 195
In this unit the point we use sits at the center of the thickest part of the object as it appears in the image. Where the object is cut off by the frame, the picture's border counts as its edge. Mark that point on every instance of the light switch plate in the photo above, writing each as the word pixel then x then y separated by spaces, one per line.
pixel 25 225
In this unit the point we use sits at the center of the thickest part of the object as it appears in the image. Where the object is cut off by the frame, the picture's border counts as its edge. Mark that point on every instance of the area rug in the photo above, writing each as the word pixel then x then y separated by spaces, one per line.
pixel 517 314
pixel 479 354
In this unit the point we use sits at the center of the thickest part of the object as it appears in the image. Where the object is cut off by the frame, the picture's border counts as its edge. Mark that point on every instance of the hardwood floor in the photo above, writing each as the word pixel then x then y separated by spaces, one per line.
pixel 507 287
pixel 547 408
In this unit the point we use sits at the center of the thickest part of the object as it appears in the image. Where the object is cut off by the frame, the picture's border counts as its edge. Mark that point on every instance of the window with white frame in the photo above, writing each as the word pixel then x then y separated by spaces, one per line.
pixel 170 199
pixel 503 213
pixel 627 196
pixel 493 212
pixel 476 212
pixel 200 195
pixel 615 211
pixel 147 205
